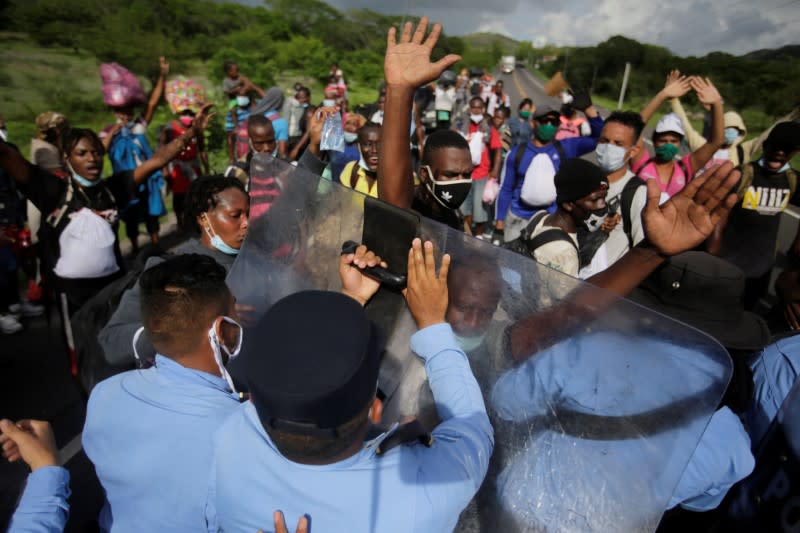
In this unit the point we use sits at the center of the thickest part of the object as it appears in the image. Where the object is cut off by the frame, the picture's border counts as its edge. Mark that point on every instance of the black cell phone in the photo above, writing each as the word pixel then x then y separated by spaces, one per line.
pixel 388 231
pixel 614 205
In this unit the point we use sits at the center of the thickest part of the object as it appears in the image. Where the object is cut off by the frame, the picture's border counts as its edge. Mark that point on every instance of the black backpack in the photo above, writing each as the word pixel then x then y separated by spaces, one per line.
pixel 526 245
pixel 590 242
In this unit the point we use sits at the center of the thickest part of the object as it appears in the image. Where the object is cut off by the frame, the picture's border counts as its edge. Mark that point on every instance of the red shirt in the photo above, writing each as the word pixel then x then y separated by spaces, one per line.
pixel 495 143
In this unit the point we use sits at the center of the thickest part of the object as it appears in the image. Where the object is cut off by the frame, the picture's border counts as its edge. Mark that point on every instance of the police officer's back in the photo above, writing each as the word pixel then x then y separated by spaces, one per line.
pixel 301 445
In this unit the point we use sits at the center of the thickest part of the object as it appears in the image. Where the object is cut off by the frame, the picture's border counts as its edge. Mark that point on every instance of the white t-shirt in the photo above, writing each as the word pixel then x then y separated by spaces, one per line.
pixel 617 243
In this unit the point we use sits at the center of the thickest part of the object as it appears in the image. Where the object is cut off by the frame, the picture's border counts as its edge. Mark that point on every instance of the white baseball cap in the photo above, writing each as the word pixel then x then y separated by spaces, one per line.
pixel 670 122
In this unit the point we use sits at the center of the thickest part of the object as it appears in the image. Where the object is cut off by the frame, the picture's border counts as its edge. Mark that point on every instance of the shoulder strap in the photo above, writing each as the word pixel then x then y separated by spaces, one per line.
pixel 548 236
pixel 560 150
pixel 410 433
pixel 353 175
pixel 740 153
pixel 54 219
pixel 626 202
pixel 527 231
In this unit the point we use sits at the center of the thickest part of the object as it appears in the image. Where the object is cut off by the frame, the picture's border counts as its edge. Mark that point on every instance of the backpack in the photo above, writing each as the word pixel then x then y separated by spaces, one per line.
pixel 525 245
pixel 569 128
pixel 528 186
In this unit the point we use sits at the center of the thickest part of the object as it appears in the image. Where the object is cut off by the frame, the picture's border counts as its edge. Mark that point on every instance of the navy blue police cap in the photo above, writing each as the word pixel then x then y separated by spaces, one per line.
pixel 311 363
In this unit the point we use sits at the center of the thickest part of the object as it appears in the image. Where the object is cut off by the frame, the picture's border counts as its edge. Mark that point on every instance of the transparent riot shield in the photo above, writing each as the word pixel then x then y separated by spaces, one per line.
pixel 597 403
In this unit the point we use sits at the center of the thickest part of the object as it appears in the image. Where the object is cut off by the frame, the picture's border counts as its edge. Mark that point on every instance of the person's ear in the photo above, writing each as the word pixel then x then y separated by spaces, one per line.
pixel 569 207
pixel 634 151
pixel 376 411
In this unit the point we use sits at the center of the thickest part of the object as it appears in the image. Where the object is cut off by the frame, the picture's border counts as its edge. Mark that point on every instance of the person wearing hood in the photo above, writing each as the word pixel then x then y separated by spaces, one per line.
pixel 362 175
pixel 670 172
pixel 735 149
pixel 748 236
pixel 270 106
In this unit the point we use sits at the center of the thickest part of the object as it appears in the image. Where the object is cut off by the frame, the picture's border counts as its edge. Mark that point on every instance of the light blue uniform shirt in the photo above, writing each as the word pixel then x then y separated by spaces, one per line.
pixel 775 370
pixel 410 488
pixel 43 507
pixel 148 433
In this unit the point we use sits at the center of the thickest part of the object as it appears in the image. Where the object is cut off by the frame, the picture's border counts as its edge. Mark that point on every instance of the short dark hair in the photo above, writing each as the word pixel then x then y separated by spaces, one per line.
pixel 477 98
pixel 227 64
pixel 440 140
pixel 301 448
pixel 305 90
pixel 73 136
pixel 366 128
pixel 179 299
pixel 202 197
pixel 524 102
pixel 256 120
pixel 631 119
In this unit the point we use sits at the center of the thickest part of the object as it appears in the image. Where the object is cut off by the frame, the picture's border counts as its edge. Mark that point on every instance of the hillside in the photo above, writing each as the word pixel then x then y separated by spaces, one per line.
pixel 791 51
pixel 484 40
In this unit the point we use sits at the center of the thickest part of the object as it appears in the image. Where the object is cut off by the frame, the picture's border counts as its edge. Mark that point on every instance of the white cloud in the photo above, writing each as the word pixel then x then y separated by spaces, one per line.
pixel 687 27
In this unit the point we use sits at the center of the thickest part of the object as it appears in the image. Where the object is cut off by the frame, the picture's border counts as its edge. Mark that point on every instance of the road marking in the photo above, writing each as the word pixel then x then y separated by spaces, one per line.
pixel 522 92
pixel 70 450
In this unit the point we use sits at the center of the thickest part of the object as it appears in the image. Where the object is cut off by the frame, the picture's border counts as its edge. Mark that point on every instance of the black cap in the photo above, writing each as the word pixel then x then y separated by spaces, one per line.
pixel 784 136
pixel 704 291
pixel 545 110
pixel 577 178
pixel 311 363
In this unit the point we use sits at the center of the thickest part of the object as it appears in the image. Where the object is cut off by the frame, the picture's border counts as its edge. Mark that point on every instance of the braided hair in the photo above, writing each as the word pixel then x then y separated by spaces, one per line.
pixel 202 197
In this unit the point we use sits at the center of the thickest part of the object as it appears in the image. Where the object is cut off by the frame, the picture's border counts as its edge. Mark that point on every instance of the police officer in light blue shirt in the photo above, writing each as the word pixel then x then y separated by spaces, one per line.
pixel 148 432
pixel 303 443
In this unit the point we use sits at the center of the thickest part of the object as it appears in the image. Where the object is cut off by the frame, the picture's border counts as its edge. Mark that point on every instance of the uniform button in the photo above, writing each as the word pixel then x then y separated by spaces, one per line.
pixel 676 285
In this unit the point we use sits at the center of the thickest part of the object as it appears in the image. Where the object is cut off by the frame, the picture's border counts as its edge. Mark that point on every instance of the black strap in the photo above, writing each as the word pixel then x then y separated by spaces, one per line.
pixel 626 202
pixel 410 433
pixel 545 237
pixel 740 153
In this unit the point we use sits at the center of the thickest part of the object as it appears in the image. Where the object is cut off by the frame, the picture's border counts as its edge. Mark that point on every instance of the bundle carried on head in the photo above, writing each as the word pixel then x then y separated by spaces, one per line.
pixel 185 94
pixel 121 88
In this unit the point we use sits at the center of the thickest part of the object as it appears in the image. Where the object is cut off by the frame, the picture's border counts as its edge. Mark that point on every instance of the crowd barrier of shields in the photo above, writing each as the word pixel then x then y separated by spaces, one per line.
pixel 593 425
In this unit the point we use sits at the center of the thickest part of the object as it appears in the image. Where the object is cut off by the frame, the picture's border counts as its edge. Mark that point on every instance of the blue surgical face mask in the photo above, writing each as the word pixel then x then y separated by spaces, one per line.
pixel 80 179
pixel 217 242
pixel 468 343
pixel 610 157
pixel 328 102
pixel 731 134
pixel 763 165
pixel 350 138
pixel 218 347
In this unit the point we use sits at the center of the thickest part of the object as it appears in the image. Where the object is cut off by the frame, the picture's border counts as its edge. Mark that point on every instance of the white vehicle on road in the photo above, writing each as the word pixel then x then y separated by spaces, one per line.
pixel 508 63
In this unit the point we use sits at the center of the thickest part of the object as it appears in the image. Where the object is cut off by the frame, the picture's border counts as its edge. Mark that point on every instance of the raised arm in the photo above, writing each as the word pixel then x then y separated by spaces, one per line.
pixel 753 146
pixel 709 95
pixel 675 87
pixel 678 225
pixel 693 138
pixel 14 164
pixel 406 66
pixel 158 89
pixel 170 151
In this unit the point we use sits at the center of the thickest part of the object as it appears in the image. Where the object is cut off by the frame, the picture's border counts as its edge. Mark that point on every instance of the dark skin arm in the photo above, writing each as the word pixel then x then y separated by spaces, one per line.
pixel 14 164
pixel 406 66
pixel 158 90
pixel 170 151
pixel 680 224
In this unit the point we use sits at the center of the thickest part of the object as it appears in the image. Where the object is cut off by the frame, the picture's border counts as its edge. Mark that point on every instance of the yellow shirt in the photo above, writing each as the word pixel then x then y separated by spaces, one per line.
pixel 360 179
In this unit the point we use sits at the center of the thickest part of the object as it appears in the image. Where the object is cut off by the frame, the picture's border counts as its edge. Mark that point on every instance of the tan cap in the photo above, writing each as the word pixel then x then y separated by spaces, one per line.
pixel 50 120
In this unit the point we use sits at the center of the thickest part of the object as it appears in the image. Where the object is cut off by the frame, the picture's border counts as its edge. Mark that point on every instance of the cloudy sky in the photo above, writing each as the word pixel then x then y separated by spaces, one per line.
pixel 687 27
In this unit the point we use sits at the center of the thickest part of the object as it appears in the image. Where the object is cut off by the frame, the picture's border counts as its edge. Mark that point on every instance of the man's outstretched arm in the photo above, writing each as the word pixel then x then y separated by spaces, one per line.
pixel 407 65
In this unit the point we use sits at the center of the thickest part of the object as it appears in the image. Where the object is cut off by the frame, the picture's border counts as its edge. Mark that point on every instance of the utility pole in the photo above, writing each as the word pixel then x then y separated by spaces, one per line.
pixel 624 85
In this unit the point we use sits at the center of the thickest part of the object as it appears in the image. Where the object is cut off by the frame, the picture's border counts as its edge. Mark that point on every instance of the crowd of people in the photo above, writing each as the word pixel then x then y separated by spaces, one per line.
pixel 217 417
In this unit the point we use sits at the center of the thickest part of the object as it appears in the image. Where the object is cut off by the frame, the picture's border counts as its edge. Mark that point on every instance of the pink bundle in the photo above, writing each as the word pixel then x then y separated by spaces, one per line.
pixel 184 94
pixel 121 88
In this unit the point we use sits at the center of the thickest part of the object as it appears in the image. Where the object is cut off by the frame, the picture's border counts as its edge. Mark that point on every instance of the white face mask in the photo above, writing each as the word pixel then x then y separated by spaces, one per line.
pixel 610 157
pixel 217 346
pixel 476 118
pixel 4 134
pixel 242 101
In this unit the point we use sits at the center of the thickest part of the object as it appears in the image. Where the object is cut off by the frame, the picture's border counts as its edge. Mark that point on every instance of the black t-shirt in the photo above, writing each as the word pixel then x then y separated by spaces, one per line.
pixel 750 238
pixel 48 193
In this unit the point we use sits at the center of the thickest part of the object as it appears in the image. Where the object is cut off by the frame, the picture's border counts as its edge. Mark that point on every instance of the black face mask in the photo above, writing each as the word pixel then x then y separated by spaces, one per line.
pixel 450 194
pixel 595 219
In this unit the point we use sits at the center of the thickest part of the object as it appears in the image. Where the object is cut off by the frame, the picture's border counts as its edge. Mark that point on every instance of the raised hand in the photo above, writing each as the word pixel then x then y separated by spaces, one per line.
pixel 408 63
pixel 705 90
pixel 689 217
pixel 581 99
pixel 202 119
pixel 677 85
pixel 163 66
pixel 355 284
pixel 29 440
pixel 426 293
pixel 315 126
